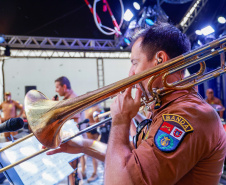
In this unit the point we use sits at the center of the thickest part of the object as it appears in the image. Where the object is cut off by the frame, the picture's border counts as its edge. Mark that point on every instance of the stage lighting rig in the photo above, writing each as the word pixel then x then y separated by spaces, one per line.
pixel 150 13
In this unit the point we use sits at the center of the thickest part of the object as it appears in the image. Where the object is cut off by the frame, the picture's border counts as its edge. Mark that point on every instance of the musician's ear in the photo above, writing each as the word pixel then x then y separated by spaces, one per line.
pixel 65 87
pixel 161 57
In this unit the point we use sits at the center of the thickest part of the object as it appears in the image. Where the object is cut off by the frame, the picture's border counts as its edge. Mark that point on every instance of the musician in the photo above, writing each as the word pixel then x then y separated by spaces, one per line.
pixel 10 109
pixel 183 144
pixel 63 88
pixel 214 101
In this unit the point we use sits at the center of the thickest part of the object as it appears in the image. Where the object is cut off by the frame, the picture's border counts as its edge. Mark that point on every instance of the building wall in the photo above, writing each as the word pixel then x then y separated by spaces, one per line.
pixel 21 72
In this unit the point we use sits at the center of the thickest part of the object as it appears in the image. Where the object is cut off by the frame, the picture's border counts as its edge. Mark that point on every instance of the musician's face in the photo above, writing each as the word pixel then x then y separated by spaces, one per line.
pixel 59 89
pixel 139 60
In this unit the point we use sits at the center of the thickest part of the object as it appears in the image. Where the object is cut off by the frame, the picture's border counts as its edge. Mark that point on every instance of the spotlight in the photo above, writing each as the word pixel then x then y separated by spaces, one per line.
pixel 221 20
pixel 198 32
pixel 136 6
pixel 128 15
pixel 207 30
pixel 132 24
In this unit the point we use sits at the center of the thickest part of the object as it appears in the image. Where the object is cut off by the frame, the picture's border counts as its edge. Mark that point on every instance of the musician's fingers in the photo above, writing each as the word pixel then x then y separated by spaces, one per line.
pixel 138 96
pixel 58 150
pixel 43 147
pixel 128 91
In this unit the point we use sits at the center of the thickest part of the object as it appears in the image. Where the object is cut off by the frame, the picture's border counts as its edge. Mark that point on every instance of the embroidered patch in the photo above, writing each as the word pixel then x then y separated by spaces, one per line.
pixel 171 132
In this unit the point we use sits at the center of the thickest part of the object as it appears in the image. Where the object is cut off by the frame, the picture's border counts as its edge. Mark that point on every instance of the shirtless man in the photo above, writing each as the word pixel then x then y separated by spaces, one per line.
pixel 214 102
pixel 9 108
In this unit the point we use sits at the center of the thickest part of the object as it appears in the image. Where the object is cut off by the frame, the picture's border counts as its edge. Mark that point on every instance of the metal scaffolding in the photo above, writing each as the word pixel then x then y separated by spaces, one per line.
pixel 17 53
pixel 53 47
pixel 191 14
pixel 31 42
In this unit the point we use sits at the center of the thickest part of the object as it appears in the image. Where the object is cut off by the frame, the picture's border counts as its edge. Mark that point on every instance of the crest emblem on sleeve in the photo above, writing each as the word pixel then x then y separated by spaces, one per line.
pixel 171 132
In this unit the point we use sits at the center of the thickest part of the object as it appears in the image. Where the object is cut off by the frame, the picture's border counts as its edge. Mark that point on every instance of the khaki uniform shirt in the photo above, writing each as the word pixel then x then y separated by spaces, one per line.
pixel 199 157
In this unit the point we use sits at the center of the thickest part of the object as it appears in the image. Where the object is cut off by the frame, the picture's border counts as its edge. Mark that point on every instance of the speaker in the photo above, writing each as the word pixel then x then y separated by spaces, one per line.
pixel 7 51
pixel 28 88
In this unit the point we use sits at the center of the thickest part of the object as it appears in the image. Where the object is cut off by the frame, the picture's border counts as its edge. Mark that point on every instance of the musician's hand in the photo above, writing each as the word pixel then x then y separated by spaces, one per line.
pixel 125 107
pixel 73 147
pixel 55 98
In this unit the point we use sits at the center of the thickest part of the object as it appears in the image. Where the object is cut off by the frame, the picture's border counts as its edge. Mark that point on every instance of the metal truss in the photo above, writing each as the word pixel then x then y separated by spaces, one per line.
pixel 191 14
pixel 100 72
pixel 52 47
pixel 30 42
pixel 32 53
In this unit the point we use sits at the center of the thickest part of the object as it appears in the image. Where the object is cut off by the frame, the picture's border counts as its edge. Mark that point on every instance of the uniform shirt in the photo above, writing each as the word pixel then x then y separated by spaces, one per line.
pixel 199 157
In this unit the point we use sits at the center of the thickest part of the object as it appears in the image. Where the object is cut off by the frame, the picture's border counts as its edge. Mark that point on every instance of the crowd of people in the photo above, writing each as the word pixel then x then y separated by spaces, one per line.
pixel 181 141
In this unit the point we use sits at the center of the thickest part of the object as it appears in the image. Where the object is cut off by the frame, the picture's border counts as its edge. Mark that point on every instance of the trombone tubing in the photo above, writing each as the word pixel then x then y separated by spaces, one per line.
pixel 16 142
pixel 46 149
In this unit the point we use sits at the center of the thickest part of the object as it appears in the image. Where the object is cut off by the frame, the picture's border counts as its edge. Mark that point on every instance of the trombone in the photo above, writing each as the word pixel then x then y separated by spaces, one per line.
pixel 46 117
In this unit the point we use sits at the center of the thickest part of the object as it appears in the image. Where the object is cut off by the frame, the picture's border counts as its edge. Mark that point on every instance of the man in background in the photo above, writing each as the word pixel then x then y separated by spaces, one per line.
pixel 10 109
pixel 63 88
pixel 214 102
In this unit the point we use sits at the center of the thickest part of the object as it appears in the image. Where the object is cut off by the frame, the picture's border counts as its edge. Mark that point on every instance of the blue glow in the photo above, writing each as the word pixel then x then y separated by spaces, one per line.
pixel 149 22
pixel 2 39
pixel 127 41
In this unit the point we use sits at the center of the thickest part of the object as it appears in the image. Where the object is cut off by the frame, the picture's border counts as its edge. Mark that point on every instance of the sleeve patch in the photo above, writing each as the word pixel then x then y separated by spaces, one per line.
pixel 171 132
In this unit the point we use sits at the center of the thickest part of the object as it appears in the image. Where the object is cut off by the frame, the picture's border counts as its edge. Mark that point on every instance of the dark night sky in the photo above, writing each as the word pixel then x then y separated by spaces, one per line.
pixel 72 18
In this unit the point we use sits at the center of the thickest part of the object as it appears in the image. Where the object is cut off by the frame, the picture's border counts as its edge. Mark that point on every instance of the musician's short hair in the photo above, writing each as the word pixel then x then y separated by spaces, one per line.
pixel 64 81
pixel 165 37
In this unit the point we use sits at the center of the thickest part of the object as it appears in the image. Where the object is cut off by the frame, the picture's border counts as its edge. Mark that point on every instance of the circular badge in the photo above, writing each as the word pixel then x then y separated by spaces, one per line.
pixel 165 142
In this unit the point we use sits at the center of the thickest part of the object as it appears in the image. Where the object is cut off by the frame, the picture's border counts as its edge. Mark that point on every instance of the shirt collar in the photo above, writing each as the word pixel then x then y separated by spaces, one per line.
pixel 168 98
pixel 68 94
